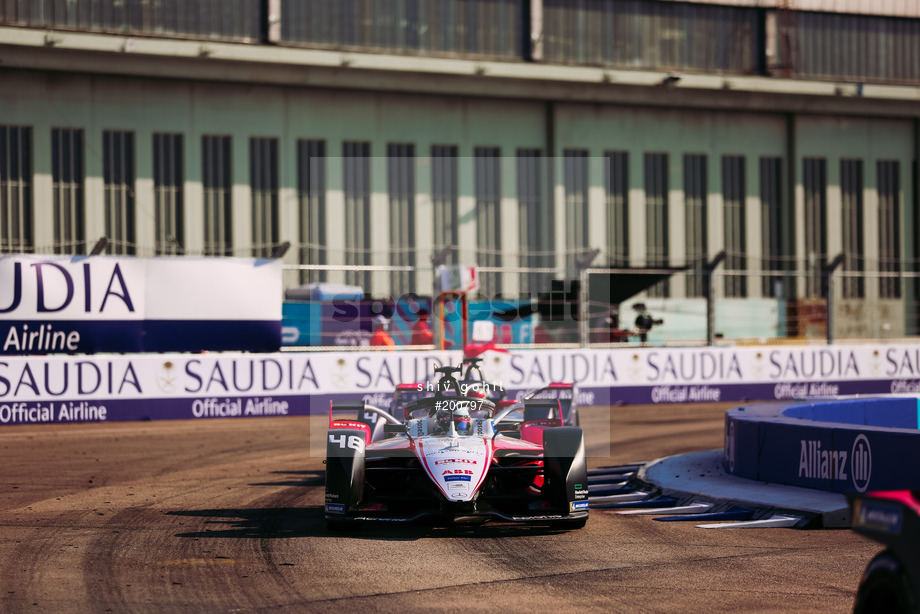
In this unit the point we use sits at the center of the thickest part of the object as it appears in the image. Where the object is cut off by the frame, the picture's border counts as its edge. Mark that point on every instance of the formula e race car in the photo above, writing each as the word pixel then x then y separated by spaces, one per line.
pixel 455 460
pixel 891 581
pixel 566 395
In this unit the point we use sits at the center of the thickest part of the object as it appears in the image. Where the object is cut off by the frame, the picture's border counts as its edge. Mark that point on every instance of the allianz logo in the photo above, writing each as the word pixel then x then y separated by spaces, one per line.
pixel 855 464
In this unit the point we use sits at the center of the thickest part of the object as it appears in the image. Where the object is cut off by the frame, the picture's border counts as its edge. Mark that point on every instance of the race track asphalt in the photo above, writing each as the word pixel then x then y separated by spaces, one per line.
pixel 224 515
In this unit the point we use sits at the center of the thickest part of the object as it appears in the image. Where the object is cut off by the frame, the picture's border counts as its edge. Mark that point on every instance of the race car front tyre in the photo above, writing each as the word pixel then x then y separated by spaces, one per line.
pixel 885 587
pixel 344 475
pixel 565 470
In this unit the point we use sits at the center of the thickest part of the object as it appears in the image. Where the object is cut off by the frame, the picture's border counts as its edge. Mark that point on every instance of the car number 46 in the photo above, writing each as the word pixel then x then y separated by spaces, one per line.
pixel 352 441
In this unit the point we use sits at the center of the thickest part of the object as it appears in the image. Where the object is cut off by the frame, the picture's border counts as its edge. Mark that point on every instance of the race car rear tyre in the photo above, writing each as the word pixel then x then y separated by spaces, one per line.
pixel 885 587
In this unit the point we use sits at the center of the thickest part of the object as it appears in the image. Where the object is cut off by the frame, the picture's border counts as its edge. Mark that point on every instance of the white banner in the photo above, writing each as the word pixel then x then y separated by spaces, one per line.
pixel 89 304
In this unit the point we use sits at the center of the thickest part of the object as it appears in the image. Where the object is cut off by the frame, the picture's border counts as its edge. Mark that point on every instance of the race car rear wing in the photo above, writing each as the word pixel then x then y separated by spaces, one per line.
pixel 365 417
pixel 564 392
pixel 539 416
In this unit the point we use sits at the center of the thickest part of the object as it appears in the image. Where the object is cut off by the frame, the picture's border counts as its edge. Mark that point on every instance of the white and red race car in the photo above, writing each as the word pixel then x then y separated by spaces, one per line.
pixel 455 460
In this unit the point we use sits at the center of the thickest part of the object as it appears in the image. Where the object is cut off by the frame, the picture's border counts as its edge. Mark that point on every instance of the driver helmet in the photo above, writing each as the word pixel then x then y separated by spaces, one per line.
pixel 462 423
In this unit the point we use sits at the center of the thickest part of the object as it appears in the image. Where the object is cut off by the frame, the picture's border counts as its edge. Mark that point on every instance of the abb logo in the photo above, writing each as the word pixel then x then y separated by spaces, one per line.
pixel 445 461
pixel 458 472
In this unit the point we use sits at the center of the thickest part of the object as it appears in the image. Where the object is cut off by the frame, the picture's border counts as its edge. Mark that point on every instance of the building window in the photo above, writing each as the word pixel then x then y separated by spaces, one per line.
pixel 167 194
pixel 263 179
pixel 815 184
pixel 67 177
pixel 889 228
pixel 531 220
pixel 16 189
pixel 357 189
pixel 311 193
pixel 616 184
pixel 401 191
pixel 851 196
pixel 218 189
pixel 696 235
pixel 733 193
pixel 772 216
pixel 656 218
pixel 444 199
pixel 487 188
pixel 575 180
pixel 118 177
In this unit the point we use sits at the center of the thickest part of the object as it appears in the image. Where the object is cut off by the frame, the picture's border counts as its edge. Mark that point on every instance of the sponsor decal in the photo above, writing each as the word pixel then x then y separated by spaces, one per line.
pixel 457 478
pixel 802 390
pixel 685 394
pixel 812 363
pixel 902 386
pixel 877 516
pixel 533 369
pixel 348 424
pixel 215 408
pixel 578 505
pixel 459 486
pixel 581 493
pixel 543 422
pixel 335 508
pixel 861 463
pixel 28 413
pixel 693 366
pixel 167 377
pixel 65 281
pixel 469 451
pixel 458 472
pixel 467 461
pixel 821 464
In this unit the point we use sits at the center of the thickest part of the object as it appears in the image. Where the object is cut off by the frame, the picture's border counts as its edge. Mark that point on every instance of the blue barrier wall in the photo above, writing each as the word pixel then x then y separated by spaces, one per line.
pixel 891 413
pixel 839 446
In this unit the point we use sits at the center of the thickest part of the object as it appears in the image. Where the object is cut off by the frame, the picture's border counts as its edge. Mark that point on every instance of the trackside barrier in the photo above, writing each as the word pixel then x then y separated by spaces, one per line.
pixel 98 387
pixel 841 446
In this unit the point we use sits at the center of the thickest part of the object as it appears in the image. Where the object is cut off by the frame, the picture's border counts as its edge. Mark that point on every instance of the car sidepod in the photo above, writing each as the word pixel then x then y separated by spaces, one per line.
pixel 566 473
pixel 345 450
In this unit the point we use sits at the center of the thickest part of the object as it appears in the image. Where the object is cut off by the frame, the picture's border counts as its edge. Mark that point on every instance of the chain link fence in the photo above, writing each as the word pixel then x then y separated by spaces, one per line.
pixel 600 307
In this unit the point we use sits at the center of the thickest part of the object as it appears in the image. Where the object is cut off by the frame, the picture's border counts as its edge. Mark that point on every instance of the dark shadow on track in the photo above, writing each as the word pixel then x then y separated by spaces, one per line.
pixel 310 478
pixel 293 522
pixel 259 523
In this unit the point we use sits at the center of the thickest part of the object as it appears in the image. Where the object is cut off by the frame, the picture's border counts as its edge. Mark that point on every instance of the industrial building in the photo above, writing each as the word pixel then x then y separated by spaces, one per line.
pixel 524 134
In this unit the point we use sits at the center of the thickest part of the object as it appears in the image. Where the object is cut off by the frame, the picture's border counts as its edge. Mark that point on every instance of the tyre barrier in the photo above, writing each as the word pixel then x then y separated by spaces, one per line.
pixel 838 445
